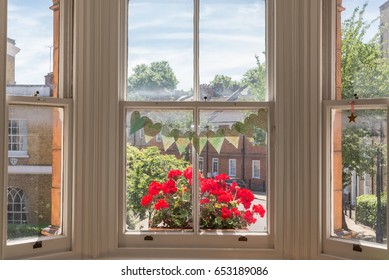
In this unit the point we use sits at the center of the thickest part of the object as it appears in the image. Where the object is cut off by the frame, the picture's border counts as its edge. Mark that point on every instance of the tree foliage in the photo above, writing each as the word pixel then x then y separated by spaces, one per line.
pixel 364 67
pixel 156 76
pixel 255 79
pixel 359 152
pixel 144 166
pixel 223 83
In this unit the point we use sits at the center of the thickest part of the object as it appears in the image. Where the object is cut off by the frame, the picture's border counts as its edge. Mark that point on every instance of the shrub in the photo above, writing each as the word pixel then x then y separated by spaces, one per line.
pixel 366 210
pixel 23 230
pixel 143 167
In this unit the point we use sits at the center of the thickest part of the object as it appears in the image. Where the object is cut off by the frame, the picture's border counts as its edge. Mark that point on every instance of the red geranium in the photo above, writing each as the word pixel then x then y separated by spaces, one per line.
pixel 221 206
pixel 249 217
pixel 222 177
pixel 259 210
pixel 161 204
pixel 146 200
pixel 155 188
pixel 174 174
pixel 246 197
pixel 188 174
pixel 226 213
pixel 204 201
pixel 169 187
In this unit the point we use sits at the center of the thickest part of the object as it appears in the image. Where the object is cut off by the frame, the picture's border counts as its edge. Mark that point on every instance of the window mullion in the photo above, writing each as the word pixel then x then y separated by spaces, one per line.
pixel 196 183
pixel 196 47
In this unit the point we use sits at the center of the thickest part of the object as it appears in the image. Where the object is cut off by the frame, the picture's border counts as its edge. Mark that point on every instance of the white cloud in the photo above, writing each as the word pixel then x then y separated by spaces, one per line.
pixel 30 25
pixel 231 34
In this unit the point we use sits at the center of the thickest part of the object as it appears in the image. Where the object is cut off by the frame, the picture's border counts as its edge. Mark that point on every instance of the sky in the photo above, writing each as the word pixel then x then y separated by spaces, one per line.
pixel 30 25
pixel 232 32
pixel 372 12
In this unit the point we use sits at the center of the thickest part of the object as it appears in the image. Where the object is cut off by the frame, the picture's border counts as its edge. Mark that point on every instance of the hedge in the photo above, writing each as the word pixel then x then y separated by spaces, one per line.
pixel 23 230
pixel 366 210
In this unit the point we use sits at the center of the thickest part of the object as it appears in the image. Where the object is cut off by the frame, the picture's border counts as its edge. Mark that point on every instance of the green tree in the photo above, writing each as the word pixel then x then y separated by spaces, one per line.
pixel 364 67
pixel 358 151
pixel 156 76
pixel 222 83
pixel 144 166
pixel 255 80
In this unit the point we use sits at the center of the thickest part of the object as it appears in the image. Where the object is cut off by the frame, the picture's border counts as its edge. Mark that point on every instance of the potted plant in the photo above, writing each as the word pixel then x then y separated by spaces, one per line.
pixel 222 206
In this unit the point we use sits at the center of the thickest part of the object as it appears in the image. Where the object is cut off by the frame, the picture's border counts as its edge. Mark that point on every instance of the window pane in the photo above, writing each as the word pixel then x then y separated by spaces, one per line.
pixel 232 168
pixel 232 50
pixel 159 191
pixel 32 47
pixel 36 195
pixel 17 135
pixel 239 202
pixel 359 175
pixel 363 66
pixel 160 50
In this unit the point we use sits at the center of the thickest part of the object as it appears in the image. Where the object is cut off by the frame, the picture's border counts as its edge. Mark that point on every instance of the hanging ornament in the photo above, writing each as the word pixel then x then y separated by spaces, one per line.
pixel 352 117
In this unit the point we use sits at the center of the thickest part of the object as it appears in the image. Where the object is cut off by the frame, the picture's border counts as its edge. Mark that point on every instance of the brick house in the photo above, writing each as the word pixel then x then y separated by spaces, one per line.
pixel 246 160
pixel 30 137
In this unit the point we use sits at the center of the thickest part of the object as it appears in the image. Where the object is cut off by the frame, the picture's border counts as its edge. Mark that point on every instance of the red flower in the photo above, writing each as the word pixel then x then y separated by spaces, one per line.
pixel 249 217
pixel 225 197
pixel 155 188
pixel 188 173
pixel 246 197
pixel 146 200
pixel 174 174
pixel 259 210
pixel 169 187
pixel 207 185
pixel 236 212
pixel 222 177
pixel 204 201
pixel 226 213
pixel 161 204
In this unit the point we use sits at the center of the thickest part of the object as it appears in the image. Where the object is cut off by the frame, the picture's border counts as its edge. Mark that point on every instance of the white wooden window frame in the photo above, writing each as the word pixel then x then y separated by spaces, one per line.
pixel 215 166
pixel 128 241
pixel 332 248
pixel 62 243
pixel 22 142
pixel 232 167
pixel 256 166
pixel 333 245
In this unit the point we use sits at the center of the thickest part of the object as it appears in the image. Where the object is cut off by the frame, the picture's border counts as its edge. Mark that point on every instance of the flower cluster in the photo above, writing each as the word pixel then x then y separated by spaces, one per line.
pixel 226 206
pixel 222 206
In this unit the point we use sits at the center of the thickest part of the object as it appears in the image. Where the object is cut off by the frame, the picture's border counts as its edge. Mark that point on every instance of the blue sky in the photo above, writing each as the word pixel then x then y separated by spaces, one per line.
pixel 30 25
pixel 231 33
pixel 371 13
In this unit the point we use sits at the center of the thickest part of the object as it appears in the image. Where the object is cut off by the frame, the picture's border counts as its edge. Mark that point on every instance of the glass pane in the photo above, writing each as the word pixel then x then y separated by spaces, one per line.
pixel 238 202
pixel 232 50
pixel 362 61
pixel 35 180
pixel 160 50
pixel 359 175
pixel 158 173
pixel 32 48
